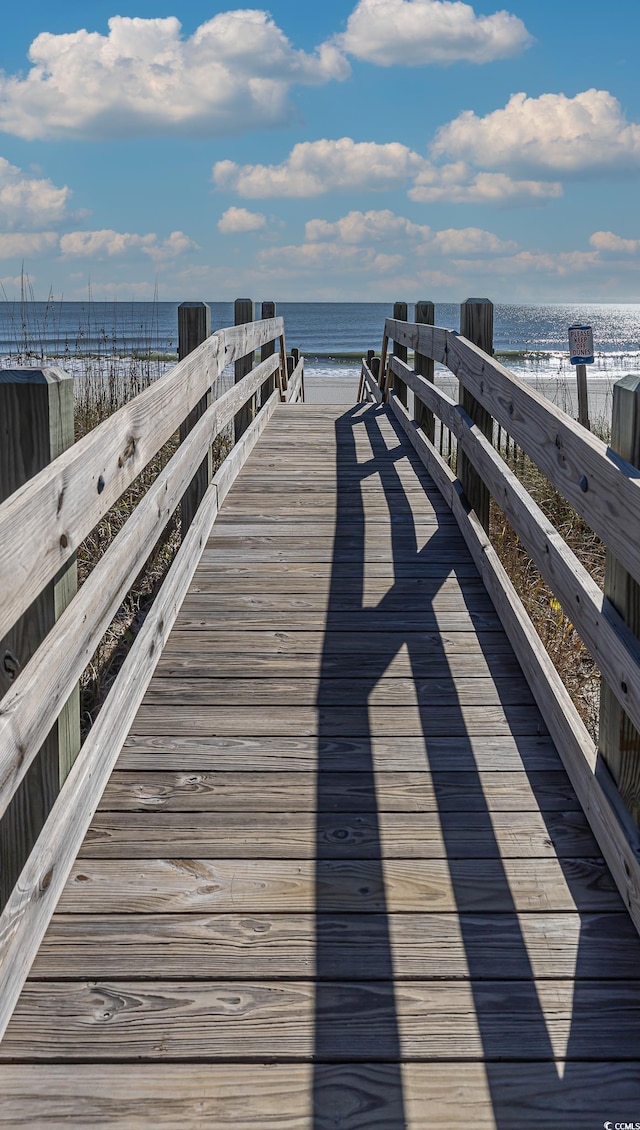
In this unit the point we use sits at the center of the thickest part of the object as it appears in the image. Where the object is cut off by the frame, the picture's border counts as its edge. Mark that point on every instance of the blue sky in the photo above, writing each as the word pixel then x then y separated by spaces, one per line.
pixel 357 150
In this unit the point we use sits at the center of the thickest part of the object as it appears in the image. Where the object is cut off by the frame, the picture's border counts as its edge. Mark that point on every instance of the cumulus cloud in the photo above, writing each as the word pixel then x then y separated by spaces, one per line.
pixel 364 227
pixel 561 264
pixel 27 200
pixel 614 245
pixel 316 167
pixel 353 244
pixel 550 134
pixel 361 228
pixel 16 245
pixel 458 183
pixel 326 256
pixel 472 241
pixel 144 77
pixel 415 32
pixel 108 243
pixel 240 220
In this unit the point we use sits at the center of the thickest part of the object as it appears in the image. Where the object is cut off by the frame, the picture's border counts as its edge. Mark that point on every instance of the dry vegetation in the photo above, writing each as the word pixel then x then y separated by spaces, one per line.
pixel 571 659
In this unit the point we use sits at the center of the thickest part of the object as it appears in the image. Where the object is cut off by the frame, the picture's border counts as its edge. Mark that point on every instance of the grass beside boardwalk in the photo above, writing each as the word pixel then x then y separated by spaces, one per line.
pixel 575 665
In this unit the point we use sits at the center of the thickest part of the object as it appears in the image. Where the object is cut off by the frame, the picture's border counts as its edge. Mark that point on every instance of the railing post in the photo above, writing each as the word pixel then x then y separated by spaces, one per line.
pixel 476 324
pixel 194 327
pixel 36 425
pixel 268 311
pixel 243 312
pixel 425 316
pixel 400 311
pixel 619 741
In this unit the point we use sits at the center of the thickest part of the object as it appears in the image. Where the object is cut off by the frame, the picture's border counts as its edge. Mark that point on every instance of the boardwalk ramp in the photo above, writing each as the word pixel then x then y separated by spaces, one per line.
pixel 339 876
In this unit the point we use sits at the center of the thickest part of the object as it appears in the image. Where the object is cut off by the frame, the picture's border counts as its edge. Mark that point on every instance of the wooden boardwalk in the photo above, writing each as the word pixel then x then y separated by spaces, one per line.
pixel 339 877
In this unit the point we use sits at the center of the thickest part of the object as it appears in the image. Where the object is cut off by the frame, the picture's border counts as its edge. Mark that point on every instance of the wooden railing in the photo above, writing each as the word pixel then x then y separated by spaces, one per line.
pixel 602 484
pixel 41 526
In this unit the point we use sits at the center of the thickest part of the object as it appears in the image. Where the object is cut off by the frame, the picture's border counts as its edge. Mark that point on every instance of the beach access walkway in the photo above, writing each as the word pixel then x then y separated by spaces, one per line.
pixel 339 876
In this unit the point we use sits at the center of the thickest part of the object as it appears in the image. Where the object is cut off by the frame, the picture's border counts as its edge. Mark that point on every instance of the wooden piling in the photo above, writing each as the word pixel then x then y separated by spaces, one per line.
pixel 476 324
pixel 194 327
pixel 243 312
pixel 400 313
pixel 36 425
pixel 619 741
pixel 583 397
pixel 424 315
pixel 268 311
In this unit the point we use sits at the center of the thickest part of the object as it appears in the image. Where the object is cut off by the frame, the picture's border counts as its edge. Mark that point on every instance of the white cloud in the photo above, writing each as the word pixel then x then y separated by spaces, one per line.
pixel 551 134
pixel 316 167
pixel 472 241
pixel 175 245
pixel 240 220
pixel 614 245
pixel 16 245
pixel 27 200
pixel 373 227
pixel 415 32
pixel 561 264
pixel 327 256
pixel 363 227
pixel 352 244
pixel 12 284
pixel 108 243
pixel 458 183
pixel 143 77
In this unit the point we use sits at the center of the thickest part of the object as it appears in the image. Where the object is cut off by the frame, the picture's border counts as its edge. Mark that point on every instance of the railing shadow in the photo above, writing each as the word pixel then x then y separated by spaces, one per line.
pixel 358 1008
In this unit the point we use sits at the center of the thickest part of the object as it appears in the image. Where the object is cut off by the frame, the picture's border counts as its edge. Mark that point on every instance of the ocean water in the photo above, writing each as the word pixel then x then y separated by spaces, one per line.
pixel 530 339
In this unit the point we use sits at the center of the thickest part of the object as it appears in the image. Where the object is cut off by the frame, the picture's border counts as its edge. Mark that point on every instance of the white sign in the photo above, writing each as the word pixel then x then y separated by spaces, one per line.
pixel 581 345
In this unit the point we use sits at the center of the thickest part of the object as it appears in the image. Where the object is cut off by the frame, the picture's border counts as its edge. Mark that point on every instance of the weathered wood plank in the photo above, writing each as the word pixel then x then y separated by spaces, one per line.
pixel 292 721
pixel 254 791
pixel 406 754
pixel 303 1097
pixel 226 1021
pixel 427 946
pixel 197 662
pixel 339 691
pixel 405 558
pixel 211 886
pixel 300 835
pixel 286 590
pixel 335 643
pixel 325 530
pixel 196 615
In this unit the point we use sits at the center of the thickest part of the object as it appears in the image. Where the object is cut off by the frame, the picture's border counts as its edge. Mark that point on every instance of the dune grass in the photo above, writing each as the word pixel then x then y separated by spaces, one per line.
pixel 573 662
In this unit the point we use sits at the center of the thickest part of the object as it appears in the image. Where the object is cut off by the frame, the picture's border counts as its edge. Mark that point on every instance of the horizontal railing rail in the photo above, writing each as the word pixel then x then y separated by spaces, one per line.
pixel 67 497
pixel 598 483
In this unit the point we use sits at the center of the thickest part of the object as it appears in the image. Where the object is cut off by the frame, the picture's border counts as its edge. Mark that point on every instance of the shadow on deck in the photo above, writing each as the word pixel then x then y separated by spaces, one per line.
pixel 469 962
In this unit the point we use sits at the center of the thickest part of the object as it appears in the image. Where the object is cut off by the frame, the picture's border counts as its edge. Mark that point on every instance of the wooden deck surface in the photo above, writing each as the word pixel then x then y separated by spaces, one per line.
pixel 339 878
